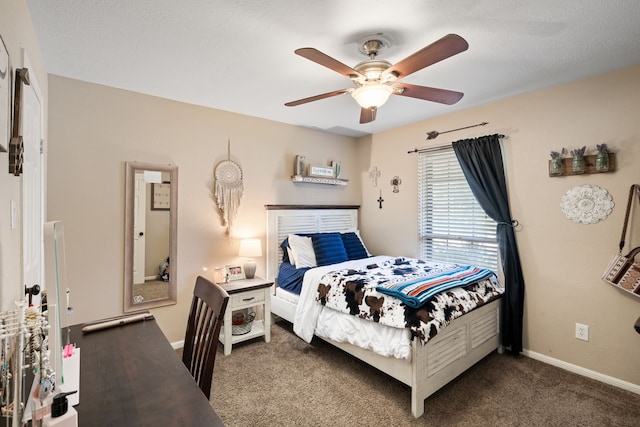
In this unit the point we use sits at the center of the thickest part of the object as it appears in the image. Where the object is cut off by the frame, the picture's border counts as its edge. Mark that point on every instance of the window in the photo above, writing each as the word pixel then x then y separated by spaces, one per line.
pixel 453 226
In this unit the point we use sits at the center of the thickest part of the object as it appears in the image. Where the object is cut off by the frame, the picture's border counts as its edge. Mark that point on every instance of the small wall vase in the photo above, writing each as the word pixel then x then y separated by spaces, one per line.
pixel 577 165
pixel 557 167
pixel 602 162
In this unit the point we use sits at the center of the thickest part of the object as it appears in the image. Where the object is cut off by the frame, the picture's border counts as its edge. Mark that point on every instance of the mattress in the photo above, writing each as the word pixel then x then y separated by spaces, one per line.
pixel 287 296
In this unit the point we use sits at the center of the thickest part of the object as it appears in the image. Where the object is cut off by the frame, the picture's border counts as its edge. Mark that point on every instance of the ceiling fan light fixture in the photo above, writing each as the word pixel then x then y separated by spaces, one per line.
pixel 372 96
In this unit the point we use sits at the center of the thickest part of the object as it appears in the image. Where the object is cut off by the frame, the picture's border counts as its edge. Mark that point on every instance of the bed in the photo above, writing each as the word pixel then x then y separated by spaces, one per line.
pixel 424 367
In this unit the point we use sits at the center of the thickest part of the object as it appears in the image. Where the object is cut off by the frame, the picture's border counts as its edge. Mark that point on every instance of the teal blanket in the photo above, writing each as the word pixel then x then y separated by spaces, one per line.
pixel 426 280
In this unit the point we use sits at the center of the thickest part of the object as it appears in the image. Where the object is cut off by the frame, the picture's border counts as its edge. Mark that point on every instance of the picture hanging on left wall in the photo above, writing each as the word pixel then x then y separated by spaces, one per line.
pixel 5 97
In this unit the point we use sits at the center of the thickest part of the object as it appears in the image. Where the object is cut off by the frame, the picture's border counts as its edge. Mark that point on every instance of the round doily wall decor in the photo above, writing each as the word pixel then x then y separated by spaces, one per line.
pixel 586 204
pixel 229 173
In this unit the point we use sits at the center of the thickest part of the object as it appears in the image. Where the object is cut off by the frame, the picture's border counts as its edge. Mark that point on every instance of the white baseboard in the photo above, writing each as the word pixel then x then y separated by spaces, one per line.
pixel 634 388
pixel 178 344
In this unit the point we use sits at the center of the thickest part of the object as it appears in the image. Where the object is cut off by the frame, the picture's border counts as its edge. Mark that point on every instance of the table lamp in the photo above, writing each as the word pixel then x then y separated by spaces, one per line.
pixel 250 248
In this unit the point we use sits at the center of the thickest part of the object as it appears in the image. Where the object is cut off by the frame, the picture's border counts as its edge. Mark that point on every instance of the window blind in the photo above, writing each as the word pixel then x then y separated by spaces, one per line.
pixel 452 225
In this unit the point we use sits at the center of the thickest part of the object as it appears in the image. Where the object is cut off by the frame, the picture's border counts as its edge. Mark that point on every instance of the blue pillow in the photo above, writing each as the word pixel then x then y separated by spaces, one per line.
pixel 353 245
pixel 285 255
pixel 329 248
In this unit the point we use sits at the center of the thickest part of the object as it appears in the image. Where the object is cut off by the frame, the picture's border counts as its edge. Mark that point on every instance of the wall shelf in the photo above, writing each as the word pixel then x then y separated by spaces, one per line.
pixel 589 165
pixel 319 180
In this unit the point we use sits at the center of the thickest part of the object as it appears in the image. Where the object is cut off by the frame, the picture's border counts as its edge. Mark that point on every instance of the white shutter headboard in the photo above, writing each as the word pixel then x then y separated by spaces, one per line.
pixel 283 220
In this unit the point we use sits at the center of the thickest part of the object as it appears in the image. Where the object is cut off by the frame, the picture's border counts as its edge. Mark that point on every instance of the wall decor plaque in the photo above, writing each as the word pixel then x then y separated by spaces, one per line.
pixel 321 171
pixel 586 204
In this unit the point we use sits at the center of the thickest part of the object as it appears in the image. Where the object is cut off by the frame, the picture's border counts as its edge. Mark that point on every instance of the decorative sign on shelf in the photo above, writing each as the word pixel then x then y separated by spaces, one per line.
pixel 316 173
pixel 321 171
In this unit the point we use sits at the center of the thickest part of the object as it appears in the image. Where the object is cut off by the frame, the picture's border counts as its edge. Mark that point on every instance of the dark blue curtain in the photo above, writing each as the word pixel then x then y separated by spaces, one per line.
pixel 481 162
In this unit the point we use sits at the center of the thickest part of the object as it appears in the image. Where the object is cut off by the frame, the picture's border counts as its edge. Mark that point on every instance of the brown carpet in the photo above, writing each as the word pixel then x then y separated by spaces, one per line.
pixel 288 382
pixel 151 290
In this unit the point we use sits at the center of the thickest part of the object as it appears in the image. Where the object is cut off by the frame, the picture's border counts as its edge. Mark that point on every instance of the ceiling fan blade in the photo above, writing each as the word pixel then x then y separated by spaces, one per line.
pixel 317 97
pixel 325 60
pixel 367 115
pixel 447 46
pixel 442 96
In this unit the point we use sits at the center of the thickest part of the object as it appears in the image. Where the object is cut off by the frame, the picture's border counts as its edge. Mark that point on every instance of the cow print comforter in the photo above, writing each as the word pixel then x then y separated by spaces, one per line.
pixel 354 292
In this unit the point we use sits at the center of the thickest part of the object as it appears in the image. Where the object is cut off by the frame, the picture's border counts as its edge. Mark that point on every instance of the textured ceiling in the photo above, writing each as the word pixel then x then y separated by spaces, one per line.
pixel 237 55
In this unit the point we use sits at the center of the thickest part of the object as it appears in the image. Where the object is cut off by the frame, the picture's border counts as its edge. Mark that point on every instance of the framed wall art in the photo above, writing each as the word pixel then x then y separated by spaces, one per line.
pixel 161 197
pixel 5 97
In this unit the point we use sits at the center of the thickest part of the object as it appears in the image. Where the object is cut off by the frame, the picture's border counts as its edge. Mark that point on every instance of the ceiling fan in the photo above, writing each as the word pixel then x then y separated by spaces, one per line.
pixel 376 79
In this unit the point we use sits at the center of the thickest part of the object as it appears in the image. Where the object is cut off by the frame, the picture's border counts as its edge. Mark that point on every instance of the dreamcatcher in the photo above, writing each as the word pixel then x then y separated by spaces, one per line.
pixel 228 188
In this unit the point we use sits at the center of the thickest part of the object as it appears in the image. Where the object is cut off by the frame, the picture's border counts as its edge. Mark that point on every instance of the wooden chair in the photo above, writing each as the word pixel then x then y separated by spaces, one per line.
pixel 203 331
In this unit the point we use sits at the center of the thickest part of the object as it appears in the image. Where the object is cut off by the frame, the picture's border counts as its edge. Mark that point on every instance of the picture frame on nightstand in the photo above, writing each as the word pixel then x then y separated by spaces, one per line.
pixel 234 272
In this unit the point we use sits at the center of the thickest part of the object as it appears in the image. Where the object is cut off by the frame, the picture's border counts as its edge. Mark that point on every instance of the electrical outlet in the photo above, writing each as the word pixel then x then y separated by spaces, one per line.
pixel 582 332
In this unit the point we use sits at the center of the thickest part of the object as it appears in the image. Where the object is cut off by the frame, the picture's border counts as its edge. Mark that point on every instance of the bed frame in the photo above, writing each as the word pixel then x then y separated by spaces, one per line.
pixel 459 346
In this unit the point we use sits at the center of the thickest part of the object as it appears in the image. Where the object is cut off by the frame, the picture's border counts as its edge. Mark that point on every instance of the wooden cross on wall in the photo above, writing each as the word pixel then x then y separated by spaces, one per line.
pixel 380 199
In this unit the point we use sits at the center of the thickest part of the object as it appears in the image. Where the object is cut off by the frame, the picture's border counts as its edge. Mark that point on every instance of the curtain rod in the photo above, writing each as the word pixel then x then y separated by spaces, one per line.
pixel 437 148
pixel 430 149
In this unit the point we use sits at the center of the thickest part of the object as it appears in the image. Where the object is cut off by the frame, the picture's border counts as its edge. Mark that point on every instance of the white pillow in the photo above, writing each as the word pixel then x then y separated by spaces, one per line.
pixel 292 261
pixel 303 253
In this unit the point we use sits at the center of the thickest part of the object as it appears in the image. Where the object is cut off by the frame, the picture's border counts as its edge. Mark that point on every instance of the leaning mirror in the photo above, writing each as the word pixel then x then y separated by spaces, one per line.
pixel 150 243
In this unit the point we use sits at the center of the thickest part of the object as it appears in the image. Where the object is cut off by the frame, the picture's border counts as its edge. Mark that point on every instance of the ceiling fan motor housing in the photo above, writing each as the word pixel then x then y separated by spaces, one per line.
pixel 372 70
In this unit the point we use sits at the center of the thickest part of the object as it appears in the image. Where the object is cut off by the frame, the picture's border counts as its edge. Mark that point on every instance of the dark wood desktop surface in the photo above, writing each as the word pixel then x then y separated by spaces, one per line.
pixel 131 376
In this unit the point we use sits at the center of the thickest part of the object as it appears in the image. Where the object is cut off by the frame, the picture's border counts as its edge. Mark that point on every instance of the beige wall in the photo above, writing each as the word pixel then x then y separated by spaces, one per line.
pixel 562 260
pixel 95 129
pixel 19 36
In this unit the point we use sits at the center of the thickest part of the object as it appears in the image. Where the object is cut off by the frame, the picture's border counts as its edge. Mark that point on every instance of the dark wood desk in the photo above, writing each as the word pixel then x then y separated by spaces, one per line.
pixel 131 376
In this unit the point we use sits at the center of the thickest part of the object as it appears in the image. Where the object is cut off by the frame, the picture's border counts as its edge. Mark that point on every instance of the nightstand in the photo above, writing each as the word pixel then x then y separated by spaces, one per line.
pixel 247 293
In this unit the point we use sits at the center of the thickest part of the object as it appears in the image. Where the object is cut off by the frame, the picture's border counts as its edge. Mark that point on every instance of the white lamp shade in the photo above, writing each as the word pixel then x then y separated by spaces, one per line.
pixel 250 248
pixel 374 95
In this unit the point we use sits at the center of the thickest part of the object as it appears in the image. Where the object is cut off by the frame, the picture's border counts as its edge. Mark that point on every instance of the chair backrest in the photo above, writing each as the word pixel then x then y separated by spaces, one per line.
pixel 203 331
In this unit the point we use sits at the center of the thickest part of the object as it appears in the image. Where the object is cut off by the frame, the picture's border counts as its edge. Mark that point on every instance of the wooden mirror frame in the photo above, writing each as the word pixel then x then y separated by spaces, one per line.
pixel 130 171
